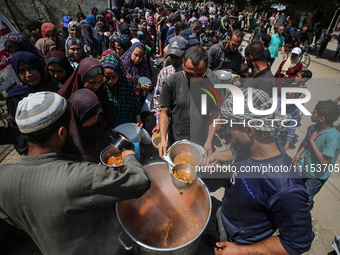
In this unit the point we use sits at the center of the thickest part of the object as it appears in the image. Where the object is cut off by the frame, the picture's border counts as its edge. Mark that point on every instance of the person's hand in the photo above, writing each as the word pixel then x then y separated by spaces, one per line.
pixel 155 129
pixel 314 136
pixel 286 76
pixel 139 122
pixel 101 33
pixel 127 152
pixel 207 149
pixel 147 86
pixel 283 55
pixel 286 148
pixel 225 248
pixel 238 84
pixel 162 149
pixel 296 159
pixel 209 161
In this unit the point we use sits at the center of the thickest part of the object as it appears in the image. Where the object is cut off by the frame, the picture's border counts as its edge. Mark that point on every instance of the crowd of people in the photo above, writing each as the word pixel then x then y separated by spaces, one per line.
pixel 75 86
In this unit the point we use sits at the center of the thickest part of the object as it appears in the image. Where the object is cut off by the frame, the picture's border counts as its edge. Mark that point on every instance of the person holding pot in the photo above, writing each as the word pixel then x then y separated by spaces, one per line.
pixel 89 130
pixel 66 206
pixel 123 102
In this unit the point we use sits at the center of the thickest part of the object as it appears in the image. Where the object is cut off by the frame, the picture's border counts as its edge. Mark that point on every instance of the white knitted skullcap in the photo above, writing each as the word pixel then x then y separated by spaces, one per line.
pixel 39 110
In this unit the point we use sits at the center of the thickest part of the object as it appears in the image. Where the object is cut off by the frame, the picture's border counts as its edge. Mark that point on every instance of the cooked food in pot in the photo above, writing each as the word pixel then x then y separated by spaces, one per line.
pixel 183 176
pixel 185 158
pixel 115 161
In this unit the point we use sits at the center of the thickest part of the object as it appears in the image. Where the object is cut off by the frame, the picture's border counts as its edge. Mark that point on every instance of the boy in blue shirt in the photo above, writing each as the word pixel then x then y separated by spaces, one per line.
pixel 321 149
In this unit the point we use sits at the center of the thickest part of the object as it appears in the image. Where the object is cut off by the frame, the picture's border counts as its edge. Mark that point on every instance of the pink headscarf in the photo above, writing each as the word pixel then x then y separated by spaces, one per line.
pixel 50 27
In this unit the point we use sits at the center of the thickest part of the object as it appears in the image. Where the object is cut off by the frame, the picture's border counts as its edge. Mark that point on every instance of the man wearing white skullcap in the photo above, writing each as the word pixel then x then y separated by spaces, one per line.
pixel 67 207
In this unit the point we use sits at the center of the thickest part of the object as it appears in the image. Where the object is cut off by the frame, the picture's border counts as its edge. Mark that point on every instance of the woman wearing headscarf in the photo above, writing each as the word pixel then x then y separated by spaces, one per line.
pixel 113 25
pixel 31 73
pixel 80 16
pixel 92 46
pixel 58 69
pixel 103 29
pixel 34 26
pixel 124 103
pixel 74 30
pixel 121 44
pixel 75 52
pixel 135 61
pixel 45 45
pixel 94 11
pixel 89 131
pixel 48 30
pixel 89 74
pixel 153 34
pixel 91 20
pixel 289 68
pixel 15 42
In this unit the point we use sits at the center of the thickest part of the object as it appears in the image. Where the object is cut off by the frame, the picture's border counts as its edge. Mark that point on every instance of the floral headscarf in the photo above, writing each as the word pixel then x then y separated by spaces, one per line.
pixel 124 103
pixel 136 71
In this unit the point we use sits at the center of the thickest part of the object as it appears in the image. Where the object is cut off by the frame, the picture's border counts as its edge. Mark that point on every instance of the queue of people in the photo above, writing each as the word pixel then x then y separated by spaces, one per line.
pixel 73 90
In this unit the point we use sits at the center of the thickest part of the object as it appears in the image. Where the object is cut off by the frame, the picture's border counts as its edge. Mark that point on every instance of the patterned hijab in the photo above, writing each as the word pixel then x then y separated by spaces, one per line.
pixel 89 140
pixel 124 42
pixel 124 103
pixel 50 27
pixel 25 45
pixel 136 71
pixel 74 41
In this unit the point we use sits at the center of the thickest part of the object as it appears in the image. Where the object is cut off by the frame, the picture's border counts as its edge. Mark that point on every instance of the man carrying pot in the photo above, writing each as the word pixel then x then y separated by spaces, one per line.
pixel 67 207
pixel 256 203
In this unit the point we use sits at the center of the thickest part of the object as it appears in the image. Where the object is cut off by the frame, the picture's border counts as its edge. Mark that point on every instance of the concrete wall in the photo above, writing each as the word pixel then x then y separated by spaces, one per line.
pixel 49 10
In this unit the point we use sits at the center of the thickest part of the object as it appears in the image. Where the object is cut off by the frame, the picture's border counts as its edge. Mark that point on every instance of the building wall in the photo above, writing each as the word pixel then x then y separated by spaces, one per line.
pixel 49 10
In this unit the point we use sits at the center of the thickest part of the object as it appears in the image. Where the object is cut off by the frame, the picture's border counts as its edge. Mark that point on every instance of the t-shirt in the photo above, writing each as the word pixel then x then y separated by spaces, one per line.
pixel 329 145
pixel 253 208
pixel 263 80
pixel 275 43
pixel 185 104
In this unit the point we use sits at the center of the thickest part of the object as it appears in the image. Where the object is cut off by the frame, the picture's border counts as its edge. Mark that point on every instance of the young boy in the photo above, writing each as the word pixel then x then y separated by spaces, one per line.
pixel 320 149
pixel 287 132
pixel 302 77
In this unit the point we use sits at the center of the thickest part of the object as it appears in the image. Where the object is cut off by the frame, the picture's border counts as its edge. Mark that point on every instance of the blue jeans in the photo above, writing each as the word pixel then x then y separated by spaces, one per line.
pixel 313 186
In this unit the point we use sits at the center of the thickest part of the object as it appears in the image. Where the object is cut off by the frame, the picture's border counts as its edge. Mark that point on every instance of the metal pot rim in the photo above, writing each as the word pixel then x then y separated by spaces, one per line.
pixel 178 247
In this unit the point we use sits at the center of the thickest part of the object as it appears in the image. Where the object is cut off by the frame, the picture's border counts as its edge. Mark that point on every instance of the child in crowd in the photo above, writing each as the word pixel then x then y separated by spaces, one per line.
pixel 320 149
pixel 287 132
pixel 302 77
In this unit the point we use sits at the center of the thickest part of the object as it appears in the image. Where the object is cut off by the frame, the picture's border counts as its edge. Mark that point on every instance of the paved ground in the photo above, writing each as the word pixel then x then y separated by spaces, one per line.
pixel 325 85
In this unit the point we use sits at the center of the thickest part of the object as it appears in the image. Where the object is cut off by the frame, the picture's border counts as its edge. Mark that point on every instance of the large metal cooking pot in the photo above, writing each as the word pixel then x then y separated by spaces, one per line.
pixel 163 221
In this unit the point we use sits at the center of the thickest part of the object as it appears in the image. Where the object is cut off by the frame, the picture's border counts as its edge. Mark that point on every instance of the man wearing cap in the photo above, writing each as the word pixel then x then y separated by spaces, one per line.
pixel 181 99
pixel 67 207
pixel 225 55
pixel 257 203
pixel 177 47
pixel 64 26
pixel 191 36
pixel 164 31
